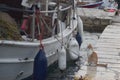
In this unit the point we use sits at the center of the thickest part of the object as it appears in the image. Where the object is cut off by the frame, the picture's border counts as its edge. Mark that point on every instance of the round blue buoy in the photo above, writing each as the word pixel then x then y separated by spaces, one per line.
pixel 78 38
pixel 40 66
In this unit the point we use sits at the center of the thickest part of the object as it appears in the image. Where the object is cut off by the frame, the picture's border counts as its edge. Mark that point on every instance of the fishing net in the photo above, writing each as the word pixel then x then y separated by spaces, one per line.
pixel 8 28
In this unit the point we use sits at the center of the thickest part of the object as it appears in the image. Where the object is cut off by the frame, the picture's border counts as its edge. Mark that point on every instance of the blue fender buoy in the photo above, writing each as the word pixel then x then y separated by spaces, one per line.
pixel 78 38
pixel 40 66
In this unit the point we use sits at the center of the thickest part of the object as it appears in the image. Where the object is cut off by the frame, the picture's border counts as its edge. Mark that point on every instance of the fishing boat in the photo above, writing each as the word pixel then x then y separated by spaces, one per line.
pixel 44 37
pixel 89 4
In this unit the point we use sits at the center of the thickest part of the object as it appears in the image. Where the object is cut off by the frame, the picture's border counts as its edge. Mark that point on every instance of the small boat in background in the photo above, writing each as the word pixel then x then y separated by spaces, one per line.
pixel 89 4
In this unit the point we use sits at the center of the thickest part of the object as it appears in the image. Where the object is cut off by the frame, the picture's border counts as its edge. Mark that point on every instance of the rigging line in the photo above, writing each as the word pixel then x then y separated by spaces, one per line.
pixel 38 21
pixel 38 25
pixel 61 32
pixel 56 36
pixel 67 47
pixel 42 27
pixel 50 30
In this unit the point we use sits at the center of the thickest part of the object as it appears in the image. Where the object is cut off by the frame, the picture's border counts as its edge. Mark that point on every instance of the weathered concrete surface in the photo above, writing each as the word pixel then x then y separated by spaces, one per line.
pixel 95 20
pixel 115 23
pixel 116 19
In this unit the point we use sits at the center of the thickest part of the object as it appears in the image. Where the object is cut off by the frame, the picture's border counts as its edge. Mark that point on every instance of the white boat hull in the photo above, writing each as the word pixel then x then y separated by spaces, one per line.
pixel 15 71
pixel 17 57
pixel 16 61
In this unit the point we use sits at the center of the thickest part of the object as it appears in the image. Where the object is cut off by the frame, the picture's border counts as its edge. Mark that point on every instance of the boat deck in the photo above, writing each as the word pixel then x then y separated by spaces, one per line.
pixel 108 51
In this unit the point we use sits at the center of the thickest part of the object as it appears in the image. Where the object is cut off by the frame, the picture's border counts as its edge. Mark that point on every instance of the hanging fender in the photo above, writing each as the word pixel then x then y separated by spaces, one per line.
pixel 78 38
pixel 40 66
pixel 73 48
pixel 80 28
pixel 62 58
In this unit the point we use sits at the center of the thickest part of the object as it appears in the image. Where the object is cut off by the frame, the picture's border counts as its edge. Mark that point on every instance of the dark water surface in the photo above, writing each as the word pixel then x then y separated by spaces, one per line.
pixel 54 73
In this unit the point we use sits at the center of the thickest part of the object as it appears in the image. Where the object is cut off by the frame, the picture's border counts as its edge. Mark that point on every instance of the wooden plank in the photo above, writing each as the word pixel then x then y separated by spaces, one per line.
pixel 108 46
pixel 109 29
pixel 111 34
pixel 108 63
pixel 110 37
pixel 112 26
pixel 108 40
pixel 113 65
pixel 104 40
pixel 114 53
pixel 116 61
pixel 104 56
pixel 112 31
pixel 107 49
pixel 115 70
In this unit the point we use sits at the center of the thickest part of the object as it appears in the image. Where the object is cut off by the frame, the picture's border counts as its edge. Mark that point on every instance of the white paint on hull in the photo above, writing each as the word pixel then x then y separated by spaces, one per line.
pixel 16 57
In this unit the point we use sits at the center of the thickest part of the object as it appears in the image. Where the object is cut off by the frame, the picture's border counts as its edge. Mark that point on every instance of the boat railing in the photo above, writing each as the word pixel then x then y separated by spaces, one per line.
pixel 52 11
pixel 31 11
